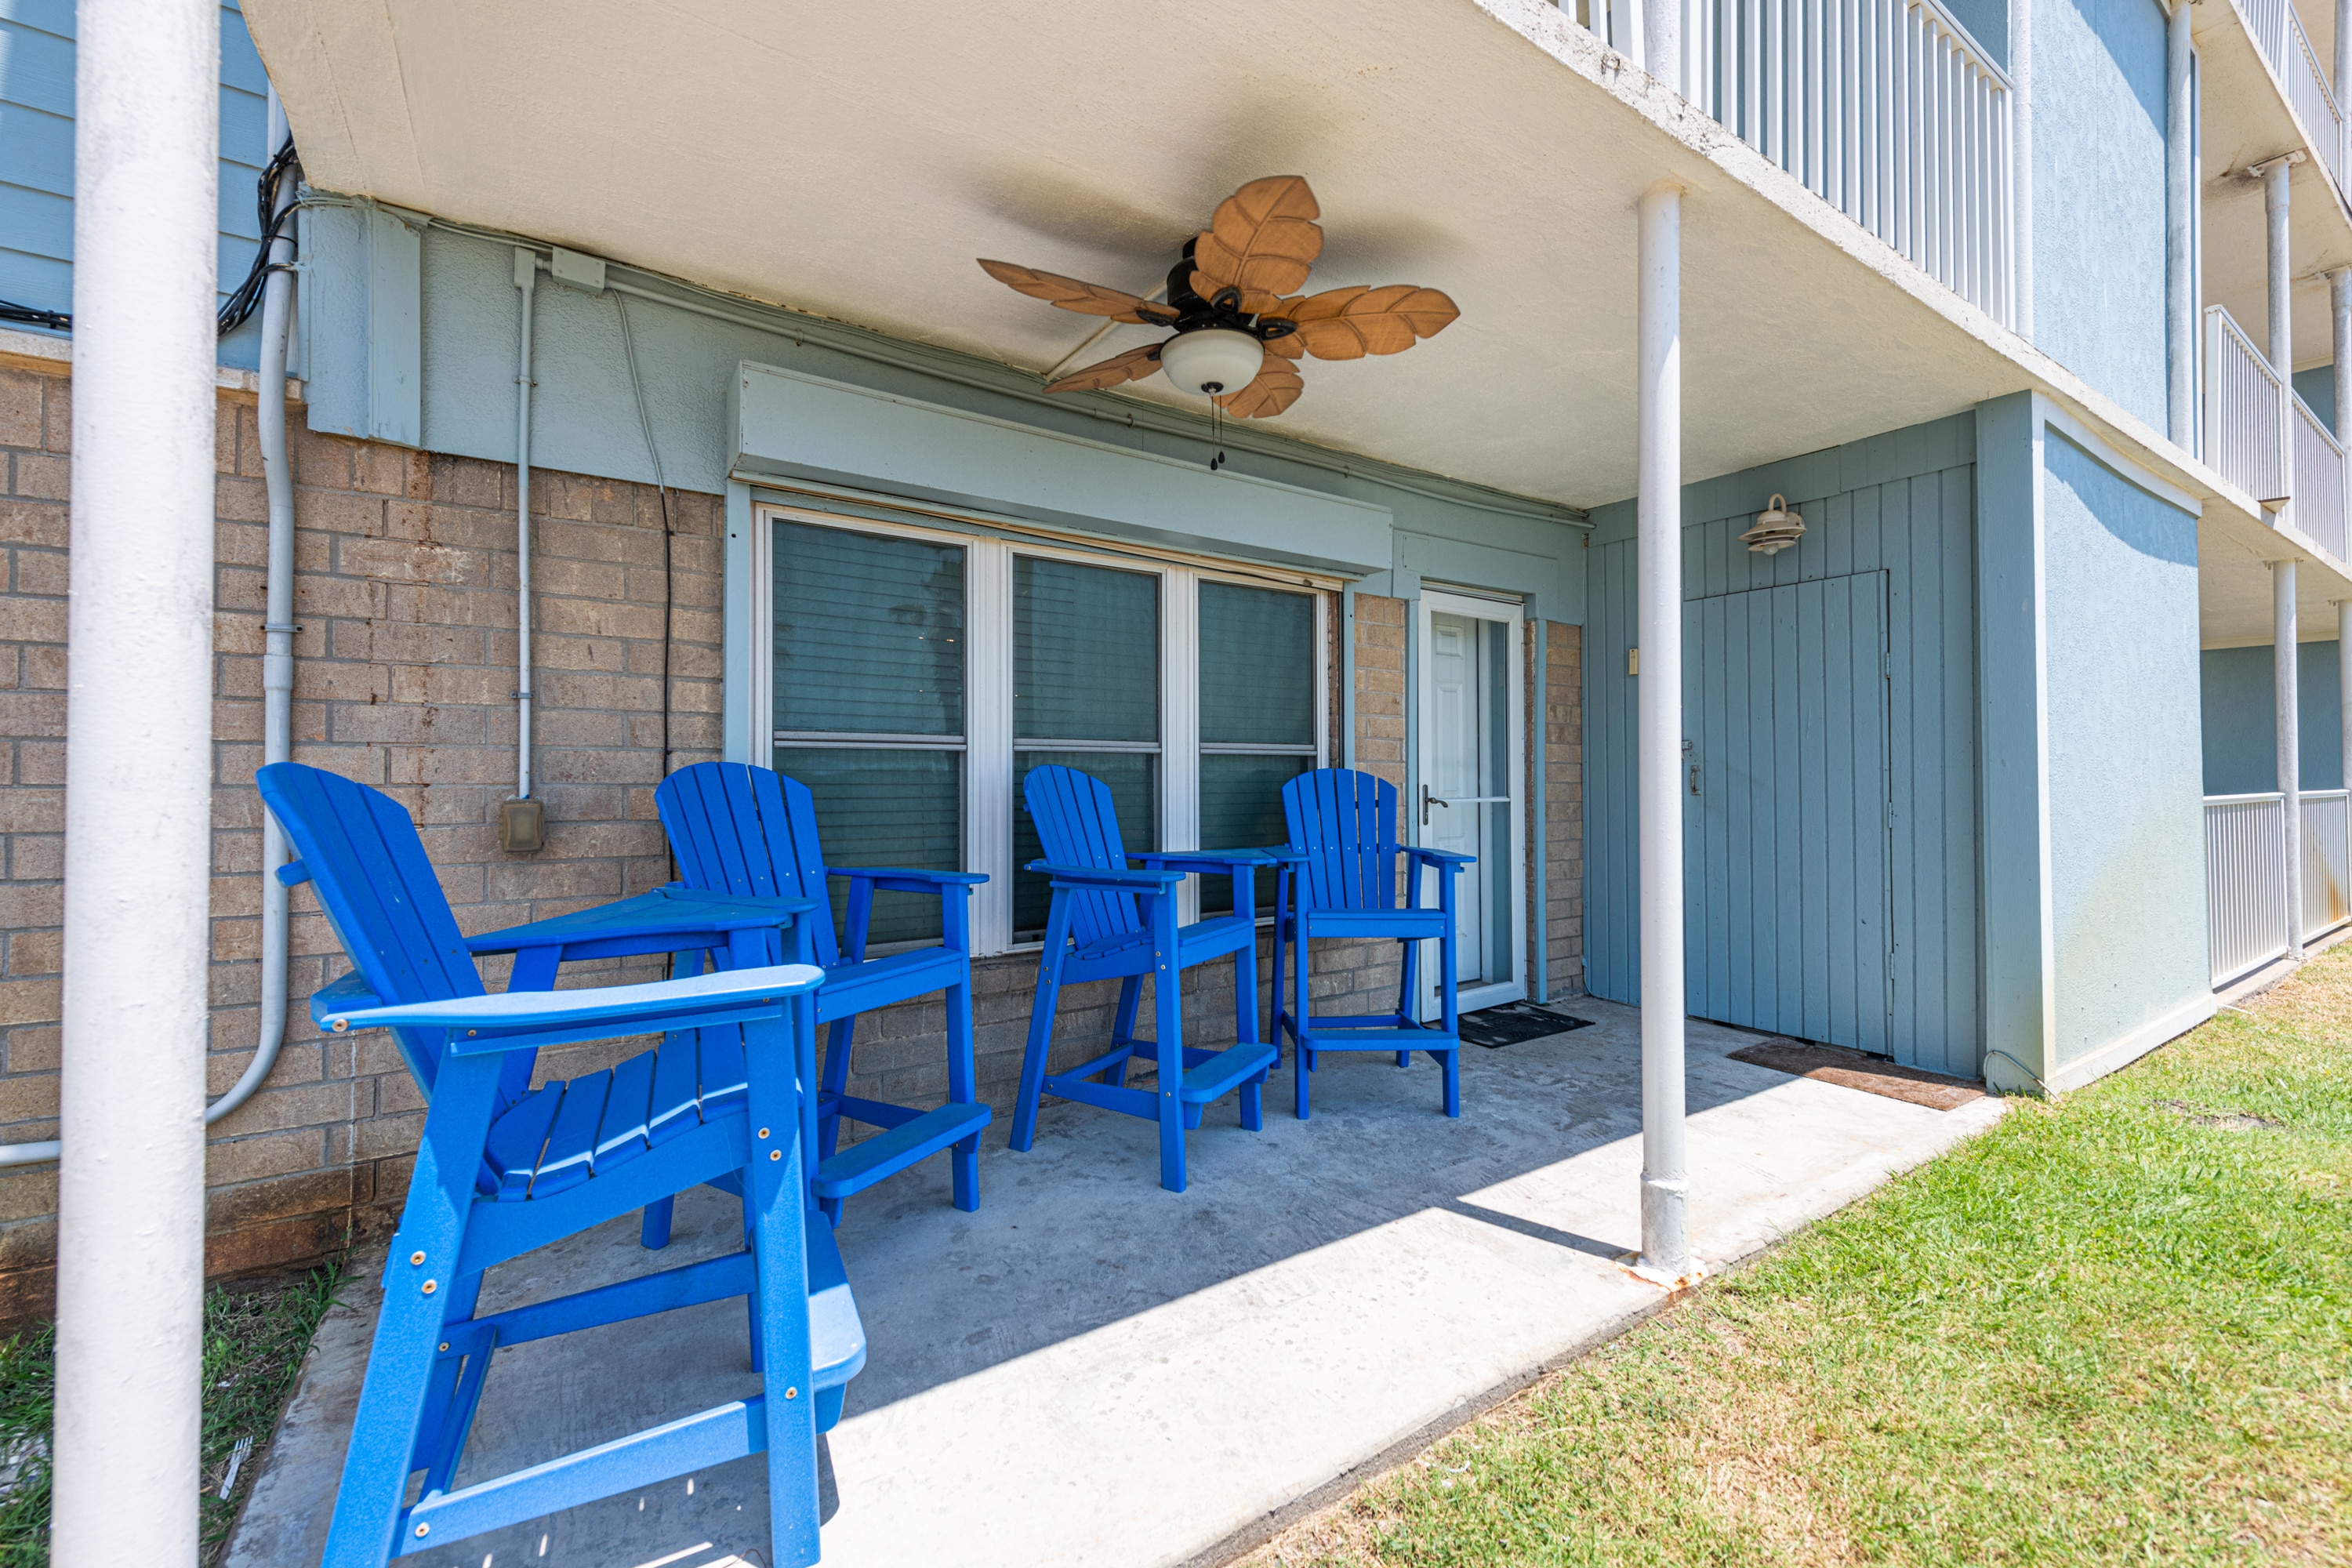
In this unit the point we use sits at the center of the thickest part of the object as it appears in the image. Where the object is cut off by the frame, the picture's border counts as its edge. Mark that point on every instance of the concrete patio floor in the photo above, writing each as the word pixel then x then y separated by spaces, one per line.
pixel 1090 1371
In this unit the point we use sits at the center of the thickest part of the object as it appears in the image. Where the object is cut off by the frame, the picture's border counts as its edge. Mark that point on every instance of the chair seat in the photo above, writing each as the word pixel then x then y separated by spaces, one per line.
pixel 560 1134
pixel 850 989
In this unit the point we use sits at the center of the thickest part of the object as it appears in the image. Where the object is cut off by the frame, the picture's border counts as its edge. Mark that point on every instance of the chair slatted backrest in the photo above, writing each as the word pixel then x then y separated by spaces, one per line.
pixel 379 892
pixel 1076 826
pixel 1345 823
pixel 751 832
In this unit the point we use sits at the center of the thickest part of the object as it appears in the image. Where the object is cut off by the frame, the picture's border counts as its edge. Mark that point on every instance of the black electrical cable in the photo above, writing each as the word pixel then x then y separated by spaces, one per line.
pixel 275 226
pixel 58 321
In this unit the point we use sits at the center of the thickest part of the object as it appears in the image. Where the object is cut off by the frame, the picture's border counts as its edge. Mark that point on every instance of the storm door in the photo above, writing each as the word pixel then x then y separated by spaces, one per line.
pixel 1466 793
pixel 1787 809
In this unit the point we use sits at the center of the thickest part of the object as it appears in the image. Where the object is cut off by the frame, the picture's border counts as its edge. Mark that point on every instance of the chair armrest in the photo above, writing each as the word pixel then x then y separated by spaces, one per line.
pixel 666 920
pixel 513 1019
pixel 348 995
pixel 1444 859
pixel 1208 862
pixel 1284 855
pixel 900 880
pixel 1118 881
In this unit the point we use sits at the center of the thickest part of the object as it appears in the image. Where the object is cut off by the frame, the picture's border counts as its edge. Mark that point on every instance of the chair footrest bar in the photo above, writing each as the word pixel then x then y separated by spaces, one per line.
pixel 871 1113
pixel 712 1279
pixel 861 1165
pixel 1212 1078
pixel 697 1442
pixel 1131 1101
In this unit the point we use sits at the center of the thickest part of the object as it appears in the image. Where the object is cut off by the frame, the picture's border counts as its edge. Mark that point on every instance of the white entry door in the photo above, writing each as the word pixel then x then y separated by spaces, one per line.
pixel 1466 792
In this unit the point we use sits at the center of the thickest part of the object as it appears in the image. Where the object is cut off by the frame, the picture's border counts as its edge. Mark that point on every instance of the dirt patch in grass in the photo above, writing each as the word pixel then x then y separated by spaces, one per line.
pixel 2117 1327
pixel 256 1334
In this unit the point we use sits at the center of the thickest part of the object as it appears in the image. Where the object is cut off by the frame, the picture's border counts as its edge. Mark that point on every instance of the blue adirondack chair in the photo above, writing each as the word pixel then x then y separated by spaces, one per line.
pixel 752 831
pixel 504 1169
pixel 1106 921
pixel 1340 879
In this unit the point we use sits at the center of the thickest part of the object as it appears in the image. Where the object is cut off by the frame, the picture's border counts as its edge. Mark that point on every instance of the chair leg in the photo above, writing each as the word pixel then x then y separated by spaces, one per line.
pixel 840 1039
pixel 1303 1059
pixel 1168 1020
pixel 1122 1028
pixel 652 1231
pixel 1452 1063
pixel 776 1196
pixel 751 1300
pixel 963 1163
pixel 1041 1023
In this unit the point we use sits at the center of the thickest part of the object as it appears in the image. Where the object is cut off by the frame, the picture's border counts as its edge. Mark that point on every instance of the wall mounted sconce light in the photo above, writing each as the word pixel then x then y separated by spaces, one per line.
pixel 1777 528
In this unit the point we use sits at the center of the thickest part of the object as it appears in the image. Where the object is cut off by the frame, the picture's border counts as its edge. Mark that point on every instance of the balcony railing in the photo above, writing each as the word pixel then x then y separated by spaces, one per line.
pixel 2318 507
pixel 2245 402
pixel 2245 876
pixel 2278 33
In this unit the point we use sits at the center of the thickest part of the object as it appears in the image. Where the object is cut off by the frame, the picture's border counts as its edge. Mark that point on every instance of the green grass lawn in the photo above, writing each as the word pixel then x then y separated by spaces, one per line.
pixel 255 1337
pixel 2116 1329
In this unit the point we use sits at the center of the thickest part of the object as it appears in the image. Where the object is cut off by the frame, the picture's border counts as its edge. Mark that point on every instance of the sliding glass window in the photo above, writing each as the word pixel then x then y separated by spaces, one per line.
pixel 870 655
pixel 1085 695
pixel 1258 694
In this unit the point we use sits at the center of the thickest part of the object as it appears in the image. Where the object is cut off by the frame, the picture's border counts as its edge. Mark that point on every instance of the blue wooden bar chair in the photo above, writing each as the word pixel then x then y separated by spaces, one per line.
pixel 1340 879
pixel 504 1169
pixel 752 831
pixel 1110 921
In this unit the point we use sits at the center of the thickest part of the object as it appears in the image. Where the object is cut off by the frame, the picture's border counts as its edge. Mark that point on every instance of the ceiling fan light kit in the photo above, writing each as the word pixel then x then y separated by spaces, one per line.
pixel 1213 360
pixel 1239 332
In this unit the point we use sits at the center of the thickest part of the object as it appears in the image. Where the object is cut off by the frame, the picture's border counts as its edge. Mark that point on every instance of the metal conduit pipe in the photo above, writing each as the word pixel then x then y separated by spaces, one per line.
pixel 276 668
pixel 526 278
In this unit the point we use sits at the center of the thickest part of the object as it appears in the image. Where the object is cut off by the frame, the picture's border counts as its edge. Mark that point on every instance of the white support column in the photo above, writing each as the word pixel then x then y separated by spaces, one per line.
pixel 2180 232
pixel 2280 348
pixel 2344 685
pixel 1665 1237
pixel 131 1202
pixel 1662 40
pixel 2286 696
pixel 2020 157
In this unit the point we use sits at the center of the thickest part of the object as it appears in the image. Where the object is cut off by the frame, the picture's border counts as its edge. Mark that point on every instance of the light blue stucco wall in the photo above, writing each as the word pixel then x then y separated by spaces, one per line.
pixel 2099 194
pixel 1901 504
pixel 454 316
pixel 2316 387
pixel 2094 871
pixel 1988 23
pixel 36 158
pixel 2241 719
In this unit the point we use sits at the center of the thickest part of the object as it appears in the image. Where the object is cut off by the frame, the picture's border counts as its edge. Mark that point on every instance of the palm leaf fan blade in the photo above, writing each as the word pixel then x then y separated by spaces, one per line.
pixel 1132 365
pixel 1074 294
pixel 1277 387
pixel 1262 238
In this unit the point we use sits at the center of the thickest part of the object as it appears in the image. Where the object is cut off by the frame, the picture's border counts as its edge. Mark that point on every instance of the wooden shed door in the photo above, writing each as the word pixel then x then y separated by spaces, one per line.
pixel 1787 809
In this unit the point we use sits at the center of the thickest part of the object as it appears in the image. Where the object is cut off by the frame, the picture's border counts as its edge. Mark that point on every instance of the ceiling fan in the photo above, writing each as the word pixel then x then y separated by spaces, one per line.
pixel 1238 330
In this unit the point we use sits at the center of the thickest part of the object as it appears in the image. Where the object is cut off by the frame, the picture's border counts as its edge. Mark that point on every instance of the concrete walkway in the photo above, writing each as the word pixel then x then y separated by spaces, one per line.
pixel 1090 1371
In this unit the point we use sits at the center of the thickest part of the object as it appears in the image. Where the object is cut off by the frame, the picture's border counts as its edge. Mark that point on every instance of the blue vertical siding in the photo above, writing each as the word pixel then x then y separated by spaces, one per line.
pixel 2316 387
pixel 2241 719
pixel 36 106
pixel 1903 504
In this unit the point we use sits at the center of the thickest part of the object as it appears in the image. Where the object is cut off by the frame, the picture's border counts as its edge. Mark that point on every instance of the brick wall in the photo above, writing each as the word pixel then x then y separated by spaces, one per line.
pixel 1562 760
pixel 405 593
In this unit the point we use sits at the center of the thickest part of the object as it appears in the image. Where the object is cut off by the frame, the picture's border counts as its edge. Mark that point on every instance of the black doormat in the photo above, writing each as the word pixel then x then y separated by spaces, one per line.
pixel 1516 1021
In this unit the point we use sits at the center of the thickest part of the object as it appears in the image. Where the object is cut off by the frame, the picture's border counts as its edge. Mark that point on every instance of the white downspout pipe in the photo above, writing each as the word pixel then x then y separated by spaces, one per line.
pixel 2180 230
pixel 2283 690
pixel 526 278
pixel 1665 1236
pixel 138 850
pixel 278 636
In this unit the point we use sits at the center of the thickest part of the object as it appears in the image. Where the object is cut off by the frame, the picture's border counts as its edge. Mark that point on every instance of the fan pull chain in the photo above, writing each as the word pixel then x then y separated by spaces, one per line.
pixel 1217 434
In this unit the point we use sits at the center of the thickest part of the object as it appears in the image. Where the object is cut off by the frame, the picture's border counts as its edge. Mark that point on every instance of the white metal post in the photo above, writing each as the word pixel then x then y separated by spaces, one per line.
pixel 2339 303
pixel 526 278
pixel 138 863
pixel 1662 41
pixel 2021 157
pixel 2180 230
pixel 2275 175
pixel 1666 1238
pixel 2283 690
pixel 2344 685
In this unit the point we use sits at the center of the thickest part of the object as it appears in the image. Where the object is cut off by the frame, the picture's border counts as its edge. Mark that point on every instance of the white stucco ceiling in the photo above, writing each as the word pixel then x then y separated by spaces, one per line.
pixel 854 160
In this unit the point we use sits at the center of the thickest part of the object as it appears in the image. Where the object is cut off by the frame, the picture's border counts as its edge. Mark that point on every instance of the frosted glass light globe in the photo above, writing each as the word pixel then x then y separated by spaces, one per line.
pixel 1212 360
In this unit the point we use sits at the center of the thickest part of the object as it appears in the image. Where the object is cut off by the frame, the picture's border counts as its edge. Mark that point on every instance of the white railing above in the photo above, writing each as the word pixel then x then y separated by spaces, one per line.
pixel 2278 33
pixel 2245 876
pixel 2317 508
pixel 1884 108
pixel 2244 401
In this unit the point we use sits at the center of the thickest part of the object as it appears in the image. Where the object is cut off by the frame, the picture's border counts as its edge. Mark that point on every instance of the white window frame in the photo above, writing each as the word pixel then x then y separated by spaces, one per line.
pixel 988 743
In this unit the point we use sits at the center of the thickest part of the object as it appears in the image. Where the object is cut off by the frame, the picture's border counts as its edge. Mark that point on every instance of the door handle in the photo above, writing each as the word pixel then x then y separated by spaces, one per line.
pixel 1428 800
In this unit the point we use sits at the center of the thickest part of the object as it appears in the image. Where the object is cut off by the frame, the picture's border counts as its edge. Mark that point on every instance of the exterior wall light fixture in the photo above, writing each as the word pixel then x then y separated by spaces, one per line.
pixel 1777 528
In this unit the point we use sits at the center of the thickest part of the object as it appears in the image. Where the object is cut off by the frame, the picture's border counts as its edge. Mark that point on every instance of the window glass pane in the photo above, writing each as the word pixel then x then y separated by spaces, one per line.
pixel 885 807
pixel 869 632
pixel 1241 808
pixel 1086 652
pixel 1257 666
pixel 1134 780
